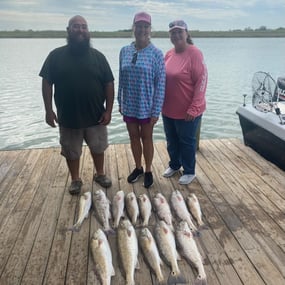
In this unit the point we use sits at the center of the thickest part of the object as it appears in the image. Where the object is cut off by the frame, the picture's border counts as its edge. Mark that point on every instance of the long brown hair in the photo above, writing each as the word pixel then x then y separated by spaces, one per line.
pixel 189 38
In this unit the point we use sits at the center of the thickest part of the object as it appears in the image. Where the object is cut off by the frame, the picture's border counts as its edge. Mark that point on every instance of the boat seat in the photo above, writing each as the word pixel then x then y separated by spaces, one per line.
pixel 281 83
pixel 280 89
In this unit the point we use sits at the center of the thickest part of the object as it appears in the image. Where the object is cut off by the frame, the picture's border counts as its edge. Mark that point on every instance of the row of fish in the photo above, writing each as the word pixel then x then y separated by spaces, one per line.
pixel 164 244
pixel 165 235
pixel 141 206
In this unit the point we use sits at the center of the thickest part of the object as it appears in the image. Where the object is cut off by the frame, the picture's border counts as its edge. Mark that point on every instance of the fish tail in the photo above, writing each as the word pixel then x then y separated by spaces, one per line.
pixel 140 226
pixel 130 280
pixel 197 233
pixel 115 224
pixel 74 228
pixel 200 281
pixel 200 222
pixel 171 228
pixel 176 278
pixel 109 231
pixel 203 227
pixel 191 225
pixel 160 279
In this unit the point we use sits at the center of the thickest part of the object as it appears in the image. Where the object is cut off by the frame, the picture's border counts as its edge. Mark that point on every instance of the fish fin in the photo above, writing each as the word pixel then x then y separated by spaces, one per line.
pixel 138 265
pixel 165 230
pixel 134 222
pixel 110 217
pixel 86 215
pixel 129 232
pixel 113 271
pixel 173 279
pixel 178 256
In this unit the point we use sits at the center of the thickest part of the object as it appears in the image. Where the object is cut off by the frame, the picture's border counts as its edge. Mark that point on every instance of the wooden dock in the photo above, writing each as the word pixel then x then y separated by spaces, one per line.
pixel 242 197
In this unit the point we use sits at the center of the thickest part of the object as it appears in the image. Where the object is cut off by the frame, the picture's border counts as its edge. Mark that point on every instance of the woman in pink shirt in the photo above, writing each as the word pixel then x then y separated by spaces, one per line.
pixel 184 103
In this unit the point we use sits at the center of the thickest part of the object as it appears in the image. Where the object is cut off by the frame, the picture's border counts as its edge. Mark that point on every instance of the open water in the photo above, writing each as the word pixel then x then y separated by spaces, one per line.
pixel 231 64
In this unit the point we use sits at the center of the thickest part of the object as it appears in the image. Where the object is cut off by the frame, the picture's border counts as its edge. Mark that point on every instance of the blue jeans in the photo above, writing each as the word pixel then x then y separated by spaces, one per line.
pixel 181 143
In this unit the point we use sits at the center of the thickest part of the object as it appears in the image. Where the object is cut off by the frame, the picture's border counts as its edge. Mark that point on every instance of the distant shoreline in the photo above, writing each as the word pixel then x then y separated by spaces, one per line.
pixel 259 33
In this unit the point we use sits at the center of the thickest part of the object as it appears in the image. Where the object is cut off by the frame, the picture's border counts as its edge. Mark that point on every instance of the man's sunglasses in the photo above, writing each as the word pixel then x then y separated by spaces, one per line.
pixel 135 57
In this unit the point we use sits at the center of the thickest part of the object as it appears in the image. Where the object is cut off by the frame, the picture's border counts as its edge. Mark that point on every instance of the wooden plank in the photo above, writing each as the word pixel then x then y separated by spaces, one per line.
pixel 17 182
pixel 259 222
pixel 241 195
pixel 253 191
pixel 7 159
pixel 267 211
pixel 264 169
pixel 212 185
pixel 232 220
pixel 112 167
pixel 123 168
pixel 143 273
pixel 164 186
pixel 167 185
pixel 12 216
pixel 59 252
pixel 53 184
pixel 77 267
pixel 264 189
pixel 30 218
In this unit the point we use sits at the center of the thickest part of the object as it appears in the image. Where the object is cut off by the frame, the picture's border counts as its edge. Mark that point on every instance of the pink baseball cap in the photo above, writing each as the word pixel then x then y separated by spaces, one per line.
pixel 142 16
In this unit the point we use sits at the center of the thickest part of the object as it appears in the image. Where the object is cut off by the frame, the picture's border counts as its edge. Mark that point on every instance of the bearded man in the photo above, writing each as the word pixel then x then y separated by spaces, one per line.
pixel 82 84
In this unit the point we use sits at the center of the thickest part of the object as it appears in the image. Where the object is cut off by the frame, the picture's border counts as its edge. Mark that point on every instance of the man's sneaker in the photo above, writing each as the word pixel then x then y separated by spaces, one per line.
pixel 148 179
pixel 103 181
pixel 186 179
pixel 135 175
pixel 169 172
pixel 75 187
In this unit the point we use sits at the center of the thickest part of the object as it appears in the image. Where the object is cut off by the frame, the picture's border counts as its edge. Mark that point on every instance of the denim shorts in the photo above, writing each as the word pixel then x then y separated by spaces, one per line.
pixel 71 140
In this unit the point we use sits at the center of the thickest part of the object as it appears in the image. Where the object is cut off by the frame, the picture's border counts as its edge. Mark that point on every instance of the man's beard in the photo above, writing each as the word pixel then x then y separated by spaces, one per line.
pixel 78 47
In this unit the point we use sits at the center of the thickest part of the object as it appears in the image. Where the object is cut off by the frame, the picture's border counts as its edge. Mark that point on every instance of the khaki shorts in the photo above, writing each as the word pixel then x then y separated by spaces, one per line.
pixel 71 140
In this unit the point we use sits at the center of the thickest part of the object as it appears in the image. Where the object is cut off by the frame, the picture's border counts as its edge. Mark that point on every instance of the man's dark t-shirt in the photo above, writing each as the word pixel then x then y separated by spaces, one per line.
pixel 79 82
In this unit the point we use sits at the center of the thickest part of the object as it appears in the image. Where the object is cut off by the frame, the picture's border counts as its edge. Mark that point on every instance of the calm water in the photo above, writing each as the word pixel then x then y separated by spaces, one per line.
pixel 231 65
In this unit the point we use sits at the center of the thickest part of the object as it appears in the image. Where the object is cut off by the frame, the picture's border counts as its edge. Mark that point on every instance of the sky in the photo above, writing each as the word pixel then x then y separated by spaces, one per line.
pixel 113 15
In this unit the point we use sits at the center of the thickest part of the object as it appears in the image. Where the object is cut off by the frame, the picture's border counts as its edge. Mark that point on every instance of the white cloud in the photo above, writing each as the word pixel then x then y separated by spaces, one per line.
pixel 113 15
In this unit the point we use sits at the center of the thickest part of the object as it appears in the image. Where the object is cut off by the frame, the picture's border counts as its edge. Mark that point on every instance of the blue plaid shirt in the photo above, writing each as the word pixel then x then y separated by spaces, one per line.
pixel 141 82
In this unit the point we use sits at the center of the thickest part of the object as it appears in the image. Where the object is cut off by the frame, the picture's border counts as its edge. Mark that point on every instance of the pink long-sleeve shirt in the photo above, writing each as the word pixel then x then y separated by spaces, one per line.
pixel 186 83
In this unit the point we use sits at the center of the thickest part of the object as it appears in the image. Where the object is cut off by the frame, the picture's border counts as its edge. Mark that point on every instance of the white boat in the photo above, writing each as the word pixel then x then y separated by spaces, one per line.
pixel 263 121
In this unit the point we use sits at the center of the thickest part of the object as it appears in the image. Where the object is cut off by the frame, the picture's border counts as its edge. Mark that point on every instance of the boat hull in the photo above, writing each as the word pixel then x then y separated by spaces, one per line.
pixel 264 133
